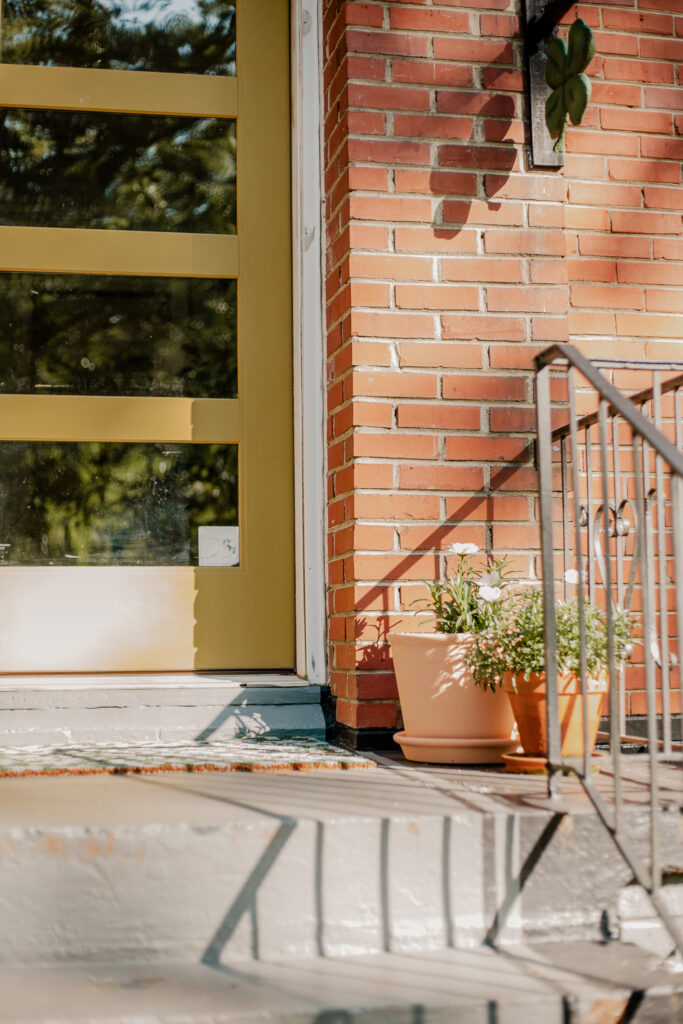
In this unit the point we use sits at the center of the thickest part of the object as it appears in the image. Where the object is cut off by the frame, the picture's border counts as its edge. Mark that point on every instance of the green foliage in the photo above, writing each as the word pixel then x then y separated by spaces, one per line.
pixel 112 504
pixel 468 601
pixel 514 639
pixel 76 169
pixel 125 35
pixel 89 334
pixel 123 171
pixel 564 69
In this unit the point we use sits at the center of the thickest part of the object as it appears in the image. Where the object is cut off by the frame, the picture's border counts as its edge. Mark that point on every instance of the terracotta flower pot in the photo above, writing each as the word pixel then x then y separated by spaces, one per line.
pixel 447 718
pixel 529 705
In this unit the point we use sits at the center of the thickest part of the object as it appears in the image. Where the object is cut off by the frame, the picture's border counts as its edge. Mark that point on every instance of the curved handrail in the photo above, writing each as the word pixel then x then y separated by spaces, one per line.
pixel 619 403
pixel 657 512
pixel 638 398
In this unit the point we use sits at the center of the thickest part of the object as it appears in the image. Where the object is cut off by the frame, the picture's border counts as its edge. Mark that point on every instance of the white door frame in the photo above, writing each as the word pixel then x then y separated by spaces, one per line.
pixel 308 335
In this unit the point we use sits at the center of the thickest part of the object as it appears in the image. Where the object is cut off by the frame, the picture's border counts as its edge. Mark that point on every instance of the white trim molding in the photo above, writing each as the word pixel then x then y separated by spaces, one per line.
pixel 309 362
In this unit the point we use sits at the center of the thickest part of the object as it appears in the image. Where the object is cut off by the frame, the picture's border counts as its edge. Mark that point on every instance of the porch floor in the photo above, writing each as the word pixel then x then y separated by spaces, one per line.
pixel 414 786
pixel 486 788
pixel 492 787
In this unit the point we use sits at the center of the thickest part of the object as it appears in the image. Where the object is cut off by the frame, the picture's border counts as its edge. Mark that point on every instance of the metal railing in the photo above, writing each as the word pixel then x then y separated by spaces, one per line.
pixel 611 507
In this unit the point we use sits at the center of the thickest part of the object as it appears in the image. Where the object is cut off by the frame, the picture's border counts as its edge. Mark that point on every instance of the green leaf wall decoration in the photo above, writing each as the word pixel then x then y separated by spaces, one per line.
pixel 564 69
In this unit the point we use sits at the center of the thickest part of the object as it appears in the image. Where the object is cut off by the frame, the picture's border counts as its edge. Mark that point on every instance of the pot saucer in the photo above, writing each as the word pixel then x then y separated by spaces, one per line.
pixel 435 750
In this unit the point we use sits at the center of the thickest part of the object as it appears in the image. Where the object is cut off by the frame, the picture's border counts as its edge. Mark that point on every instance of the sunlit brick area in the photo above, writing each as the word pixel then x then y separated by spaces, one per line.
pixel 451 262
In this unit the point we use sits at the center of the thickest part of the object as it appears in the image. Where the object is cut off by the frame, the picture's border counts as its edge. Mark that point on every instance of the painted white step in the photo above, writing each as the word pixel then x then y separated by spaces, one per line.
pixel 227 868
pixel 172 707
pixel 448 987
pixel 386 989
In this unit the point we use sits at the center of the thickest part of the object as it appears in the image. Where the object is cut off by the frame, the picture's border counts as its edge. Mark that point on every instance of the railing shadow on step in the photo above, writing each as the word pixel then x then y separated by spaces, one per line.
pixel 611 516
pixel 389 893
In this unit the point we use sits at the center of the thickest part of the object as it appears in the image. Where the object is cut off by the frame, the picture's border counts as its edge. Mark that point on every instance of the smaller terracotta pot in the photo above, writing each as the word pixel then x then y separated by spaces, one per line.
pixel 529 706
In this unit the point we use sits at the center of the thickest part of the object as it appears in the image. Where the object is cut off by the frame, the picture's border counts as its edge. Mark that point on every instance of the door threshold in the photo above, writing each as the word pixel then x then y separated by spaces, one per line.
pixel 156 707
pixel 149 680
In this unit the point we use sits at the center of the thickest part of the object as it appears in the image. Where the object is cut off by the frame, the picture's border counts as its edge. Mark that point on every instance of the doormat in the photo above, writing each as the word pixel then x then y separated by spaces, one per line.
pixel 247 754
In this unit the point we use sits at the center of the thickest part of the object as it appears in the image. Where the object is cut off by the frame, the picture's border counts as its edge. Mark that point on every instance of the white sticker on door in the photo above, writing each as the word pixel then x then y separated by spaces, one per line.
pixel 219 545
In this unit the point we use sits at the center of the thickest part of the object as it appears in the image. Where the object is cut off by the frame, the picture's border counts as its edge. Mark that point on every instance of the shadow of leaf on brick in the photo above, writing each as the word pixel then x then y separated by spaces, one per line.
pixel 454 176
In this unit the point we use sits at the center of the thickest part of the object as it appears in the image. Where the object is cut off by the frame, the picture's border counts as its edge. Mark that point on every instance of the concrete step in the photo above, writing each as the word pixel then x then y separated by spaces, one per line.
pixel 237 868
pixel 382 988
pixel 640 923
pixel 37 710
pixel 602 984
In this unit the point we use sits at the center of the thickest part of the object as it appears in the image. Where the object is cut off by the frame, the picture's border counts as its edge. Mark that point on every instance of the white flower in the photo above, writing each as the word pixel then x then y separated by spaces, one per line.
pixel 489 579
pixel 571 576
pixel 463 549
pixel 490 593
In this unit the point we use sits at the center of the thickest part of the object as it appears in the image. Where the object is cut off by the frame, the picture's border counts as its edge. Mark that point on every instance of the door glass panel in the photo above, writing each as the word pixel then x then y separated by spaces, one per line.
pixel 192 36
pixel 116 503
pixel 75 169
pixel 81 334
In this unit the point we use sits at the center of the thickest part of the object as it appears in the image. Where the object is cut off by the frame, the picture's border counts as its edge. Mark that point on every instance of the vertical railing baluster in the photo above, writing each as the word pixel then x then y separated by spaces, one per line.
pixel 648 634
pixel 615 738
pixel 573 435
pixel 620 548
pixel 677 527
pixel 649 555
pixel 545 486
pixel 589 507
pixel 661 570
pixel 565 514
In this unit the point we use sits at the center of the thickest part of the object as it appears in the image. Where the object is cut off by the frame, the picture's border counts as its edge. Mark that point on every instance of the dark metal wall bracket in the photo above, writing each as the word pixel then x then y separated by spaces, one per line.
pixel 542 20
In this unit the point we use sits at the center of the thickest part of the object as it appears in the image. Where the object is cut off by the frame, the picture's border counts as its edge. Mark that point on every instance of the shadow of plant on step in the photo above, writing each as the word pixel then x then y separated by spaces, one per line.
pixel 255 711
pixel 251 722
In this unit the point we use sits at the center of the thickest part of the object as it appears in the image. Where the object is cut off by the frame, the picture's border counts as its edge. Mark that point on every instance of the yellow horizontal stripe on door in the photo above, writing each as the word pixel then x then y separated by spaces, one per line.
pixel 86 418
pixel 98 251
pixel 140 92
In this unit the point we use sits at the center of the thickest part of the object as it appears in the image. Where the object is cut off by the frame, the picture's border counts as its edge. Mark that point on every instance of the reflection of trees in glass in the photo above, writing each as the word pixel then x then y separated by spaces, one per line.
pixel 109 504
pixel 97 335
pixel 112 504
pixel 63 168
pixel 191 36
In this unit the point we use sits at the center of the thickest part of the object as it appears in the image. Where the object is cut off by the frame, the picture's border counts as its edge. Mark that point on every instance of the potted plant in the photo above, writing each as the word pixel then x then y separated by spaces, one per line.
pixel 510 655
pixel 447 718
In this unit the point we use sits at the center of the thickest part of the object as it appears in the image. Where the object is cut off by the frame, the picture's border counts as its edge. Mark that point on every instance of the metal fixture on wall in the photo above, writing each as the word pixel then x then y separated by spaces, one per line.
pixel 558 89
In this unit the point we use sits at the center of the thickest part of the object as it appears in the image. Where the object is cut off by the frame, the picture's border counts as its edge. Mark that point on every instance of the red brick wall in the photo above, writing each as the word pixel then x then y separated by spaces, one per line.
pixel 450 263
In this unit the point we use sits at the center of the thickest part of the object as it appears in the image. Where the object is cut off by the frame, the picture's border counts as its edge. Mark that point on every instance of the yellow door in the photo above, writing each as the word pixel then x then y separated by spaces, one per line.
pixel 146 518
